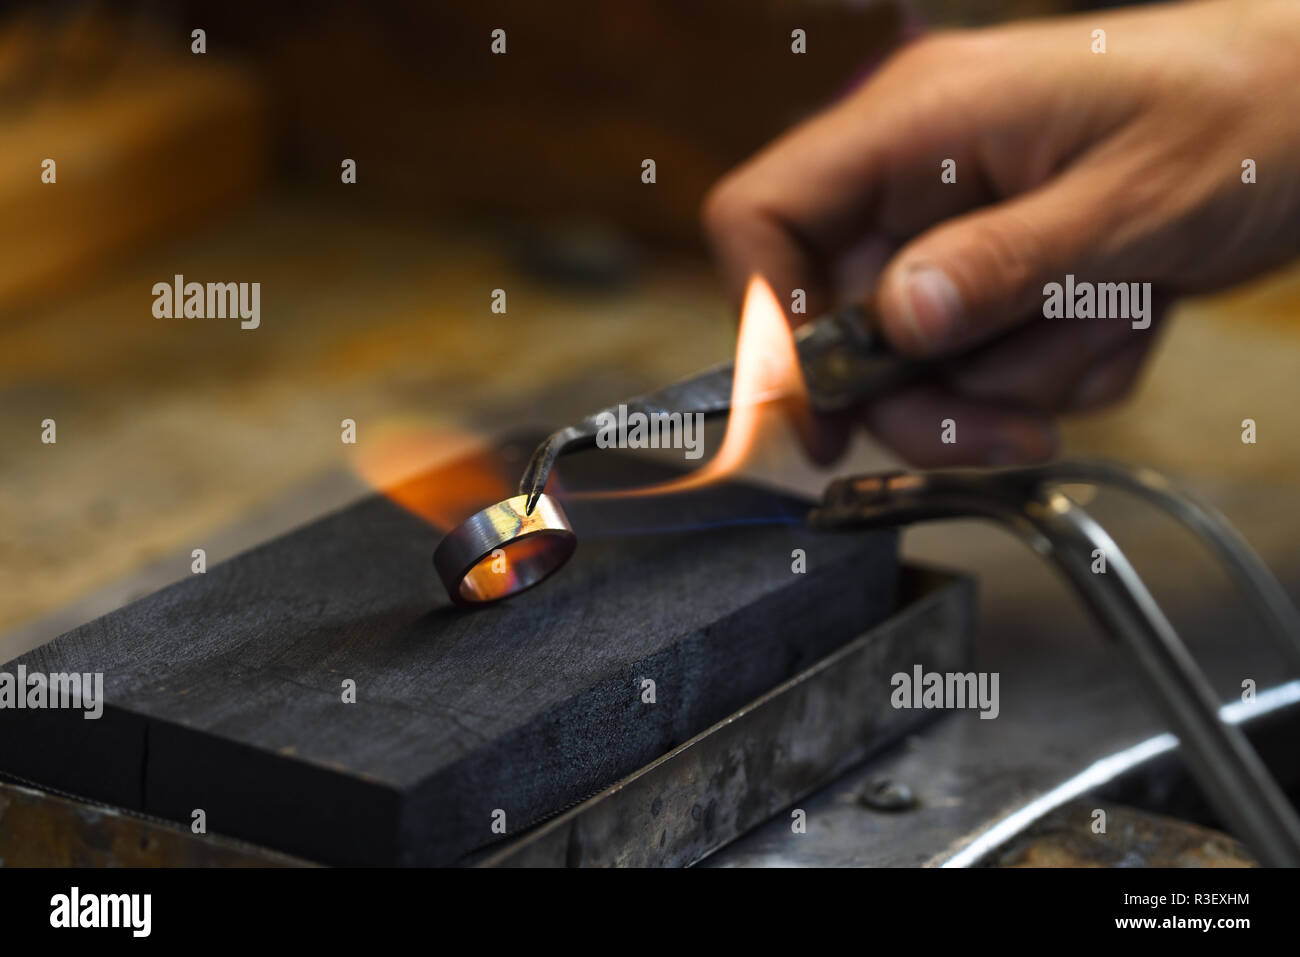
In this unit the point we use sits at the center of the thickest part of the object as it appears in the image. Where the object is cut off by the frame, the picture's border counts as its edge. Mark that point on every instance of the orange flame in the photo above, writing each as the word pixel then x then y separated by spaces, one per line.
pixel 445 476
pixel 767 388
pixel 440 475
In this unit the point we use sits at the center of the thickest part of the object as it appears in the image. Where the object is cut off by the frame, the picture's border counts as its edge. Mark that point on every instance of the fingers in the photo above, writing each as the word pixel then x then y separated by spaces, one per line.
pixel 1111 379
pixel 824 438
pixel 814 209
pixel 851 203
pixel 997 408
pixel 1043 363
pixel 969 278
pixel 748 241
pixel 930 426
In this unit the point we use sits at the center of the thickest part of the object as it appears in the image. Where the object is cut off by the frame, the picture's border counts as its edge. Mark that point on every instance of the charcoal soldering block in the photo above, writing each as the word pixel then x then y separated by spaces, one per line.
pixel 228 691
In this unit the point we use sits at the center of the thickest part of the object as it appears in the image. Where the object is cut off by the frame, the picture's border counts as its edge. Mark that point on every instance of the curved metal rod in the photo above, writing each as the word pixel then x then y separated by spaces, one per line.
pixel 1235 780
pixel 1252 576
pixel 844 361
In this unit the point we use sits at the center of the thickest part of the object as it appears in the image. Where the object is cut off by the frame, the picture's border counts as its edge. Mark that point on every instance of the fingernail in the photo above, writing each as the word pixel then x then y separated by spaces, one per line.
pixel 932 305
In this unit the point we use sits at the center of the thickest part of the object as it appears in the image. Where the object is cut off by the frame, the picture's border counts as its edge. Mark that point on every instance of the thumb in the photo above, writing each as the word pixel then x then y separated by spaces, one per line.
pixel 970 277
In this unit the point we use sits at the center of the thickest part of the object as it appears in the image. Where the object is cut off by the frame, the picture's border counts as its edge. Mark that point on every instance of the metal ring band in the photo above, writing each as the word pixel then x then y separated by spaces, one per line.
pixel 532 545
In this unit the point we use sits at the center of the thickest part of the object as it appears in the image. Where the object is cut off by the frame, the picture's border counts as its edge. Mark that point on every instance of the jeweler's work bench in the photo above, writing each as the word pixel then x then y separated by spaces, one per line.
pixel 87 548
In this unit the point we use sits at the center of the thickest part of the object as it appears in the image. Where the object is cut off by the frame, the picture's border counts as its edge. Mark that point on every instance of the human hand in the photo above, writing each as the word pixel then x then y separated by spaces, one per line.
pixel 1123 166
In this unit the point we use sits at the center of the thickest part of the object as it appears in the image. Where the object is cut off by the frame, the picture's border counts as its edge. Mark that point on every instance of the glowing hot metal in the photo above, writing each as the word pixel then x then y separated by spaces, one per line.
pixel 504 549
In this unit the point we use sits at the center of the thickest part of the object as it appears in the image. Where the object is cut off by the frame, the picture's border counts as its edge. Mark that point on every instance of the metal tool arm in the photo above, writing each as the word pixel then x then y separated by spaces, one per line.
pixel 844 361
pixel 1243 563
pixel 709 393
pixel 1232 775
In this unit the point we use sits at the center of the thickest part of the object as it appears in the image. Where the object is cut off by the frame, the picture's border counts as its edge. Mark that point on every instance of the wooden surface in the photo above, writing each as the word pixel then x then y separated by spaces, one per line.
pixel 146 140
pixel 225 691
